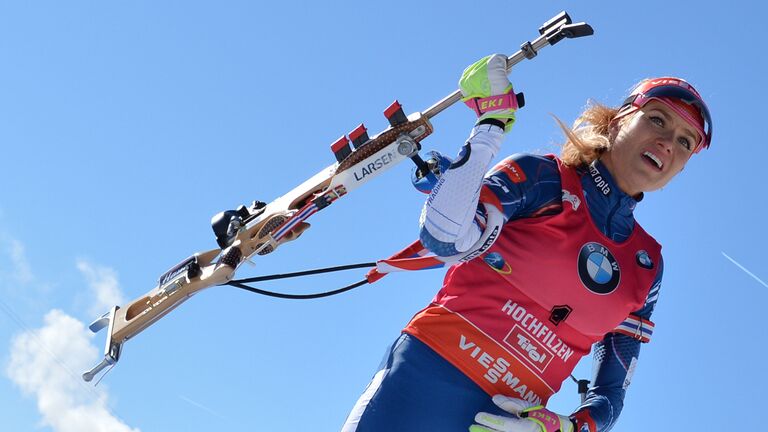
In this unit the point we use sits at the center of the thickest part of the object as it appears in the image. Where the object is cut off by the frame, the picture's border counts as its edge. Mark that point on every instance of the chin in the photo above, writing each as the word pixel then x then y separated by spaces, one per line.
pixel 648 185
pixel 655 186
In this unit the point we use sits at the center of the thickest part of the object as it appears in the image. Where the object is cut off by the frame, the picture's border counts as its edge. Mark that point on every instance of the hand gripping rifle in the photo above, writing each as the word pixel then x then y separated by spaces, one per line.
pixel 260 228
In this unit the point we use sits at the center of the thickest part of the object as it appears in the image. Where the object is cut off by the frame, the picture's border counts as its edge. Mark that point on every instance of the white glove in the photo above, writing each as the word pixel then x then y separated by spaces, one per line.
pixel 529 418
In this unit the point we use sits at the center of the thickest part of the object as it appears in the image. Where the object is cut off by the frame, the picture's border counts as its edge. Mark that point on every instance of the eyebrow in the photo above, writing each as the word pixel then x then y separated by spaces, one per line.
pixel 663 110
pixel 692 133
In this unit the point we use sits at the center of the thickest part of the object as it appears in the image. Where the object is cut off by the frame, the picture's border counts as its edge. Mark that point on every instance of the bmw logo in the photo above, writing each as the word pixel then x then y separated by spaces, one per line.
pixel 598 269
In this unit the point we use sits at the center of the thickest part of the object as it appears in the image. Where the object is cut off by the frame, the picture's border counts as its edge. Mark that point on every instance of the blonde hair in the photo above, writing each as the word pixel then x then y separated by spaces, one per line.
pixel 589 137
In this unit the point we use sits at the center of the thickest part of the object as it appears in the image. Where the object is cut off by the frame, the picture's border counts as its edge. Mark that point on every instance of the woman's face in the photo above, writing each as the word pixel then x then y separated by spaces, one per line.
pixel 649 147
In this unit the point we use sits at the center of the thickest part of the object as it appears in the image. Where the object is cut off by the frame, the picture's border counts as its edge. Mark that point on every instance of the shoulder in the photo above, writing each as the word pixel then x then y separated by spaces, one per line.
pixel 524 167
pixel 524 185
pixel 525 171
pixel 653 293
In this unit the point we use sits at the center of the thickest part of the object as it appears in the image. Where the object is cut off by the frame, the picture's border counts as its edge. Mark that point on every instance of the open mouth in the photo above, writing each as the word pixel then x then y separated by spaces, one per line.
pixel 653 160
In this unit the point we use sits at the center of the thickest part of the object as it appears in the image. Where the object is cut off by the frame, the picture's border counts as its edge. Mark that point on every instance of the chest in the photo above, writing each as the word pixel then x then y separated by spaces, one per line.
pixel 569 270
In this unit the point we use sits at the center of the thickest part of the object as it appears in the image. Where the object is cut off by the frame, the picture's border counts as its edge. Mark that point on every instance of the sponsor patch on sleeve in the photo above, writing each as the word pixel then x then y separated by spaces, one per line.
pixel 512 170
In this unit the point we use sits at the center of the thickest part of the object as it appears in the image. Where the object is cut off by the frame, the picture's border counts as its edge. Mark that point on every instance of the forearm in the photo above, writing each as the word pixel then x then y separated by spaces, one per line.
pixel 448 223
pixel 615 360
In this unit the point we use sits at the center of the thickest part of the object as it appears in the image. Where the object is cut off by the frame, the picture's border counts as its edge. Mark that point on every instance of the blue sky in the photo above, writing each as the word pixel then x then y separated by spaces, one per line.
pixel 126 125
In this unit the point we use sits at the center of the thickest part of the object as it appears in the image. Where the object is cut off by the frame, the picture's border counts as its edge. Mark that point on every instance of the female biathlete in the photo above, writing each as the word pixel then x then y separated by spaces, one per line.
pixel 571 269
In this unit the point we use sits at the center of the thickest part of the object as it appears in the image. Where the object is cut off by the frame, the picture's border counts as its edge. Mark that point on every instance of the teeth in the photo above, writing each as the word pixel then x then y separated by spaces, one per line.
pixel 653 157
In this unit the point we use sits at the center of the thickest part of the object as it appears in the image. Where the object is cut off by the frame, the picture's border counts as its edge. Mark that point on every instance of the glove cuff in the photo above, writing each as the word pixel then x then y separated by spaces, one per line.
pixel 549 421
pixel 583 421
pixel 493 122
pixel 506 101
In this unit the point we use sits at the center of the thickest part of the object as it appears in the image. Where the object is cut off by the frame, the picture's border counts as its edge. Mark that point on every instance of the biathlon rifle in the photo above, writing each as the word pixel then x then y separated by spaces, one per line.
pixel 261 228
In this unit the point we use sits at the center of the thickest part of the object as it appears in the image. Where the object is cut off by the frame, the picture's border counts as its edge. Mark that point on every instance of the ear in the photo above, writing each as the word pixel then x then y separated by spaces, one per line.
pixel 613 128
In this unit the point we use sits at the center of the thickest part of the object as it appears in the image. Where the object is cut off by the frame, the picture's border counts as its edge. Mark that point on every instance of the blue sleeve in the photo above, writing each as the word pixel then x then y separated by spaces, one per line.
pixel 522 185
pixel 615 359
pixel 525 185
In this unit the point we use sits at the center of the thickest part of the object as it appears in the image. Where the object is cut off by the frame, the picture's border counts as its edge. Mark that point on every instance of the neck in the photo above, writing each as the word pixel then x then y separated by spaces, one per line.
pixel 618 178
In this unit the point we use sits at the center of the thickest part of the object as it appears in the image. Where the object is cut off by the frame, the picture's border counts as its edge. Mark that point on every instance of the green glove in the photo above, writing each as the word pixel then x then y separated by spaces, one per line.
pixel 486 89
pixel 526 418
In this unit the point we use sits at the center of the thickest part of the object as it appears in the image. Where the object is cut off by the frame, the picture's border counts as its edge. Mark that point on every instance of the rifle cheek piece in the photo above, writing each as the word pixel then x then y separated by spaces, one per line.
pixel 226 225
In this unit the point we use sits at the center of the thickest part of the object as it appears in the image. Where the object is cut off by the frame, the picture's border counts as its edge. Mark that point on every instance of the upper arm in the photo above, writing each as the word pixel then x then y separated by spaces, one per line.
pixel 523 185
pixel 653 294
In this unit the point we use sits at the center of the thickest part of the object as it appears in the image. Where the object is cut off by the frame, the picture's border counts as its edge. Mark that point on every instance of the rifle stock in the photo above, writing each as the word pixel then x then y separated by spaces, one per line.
pixel 264 227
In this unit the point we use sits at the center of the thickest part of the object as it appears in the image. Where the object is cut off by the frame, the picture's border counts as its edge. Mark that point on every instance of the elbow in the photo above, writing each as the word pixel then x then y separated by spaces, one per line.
pixel 437 247
pixel 612 398
pixel 602 410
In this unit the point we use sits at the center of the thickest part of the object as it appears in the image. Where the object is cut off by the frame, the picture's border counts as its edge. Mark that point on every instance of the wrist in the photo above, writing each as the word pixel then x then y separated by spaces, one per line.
pixel 501 123
pixel 583 421
pixel 485 141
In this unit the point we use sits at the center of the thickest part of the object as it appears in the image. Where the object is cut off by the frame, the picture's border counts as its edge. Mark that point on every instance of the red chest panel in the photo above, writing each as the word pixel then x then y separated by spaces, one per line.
pixel 519 318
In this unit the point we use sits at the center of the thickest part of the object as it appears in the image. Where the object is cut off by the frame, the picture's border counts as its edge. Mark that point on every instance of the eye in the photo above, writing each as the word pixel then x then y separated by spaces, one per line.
pixel 685 142
pixel 658 121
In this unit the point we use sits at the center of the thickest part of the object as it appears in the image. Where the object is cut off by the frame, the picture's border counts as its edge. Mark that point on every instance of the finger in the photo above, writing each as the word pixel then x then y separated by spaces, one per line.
pixel 511 405
pixel 505 424
pixel 497 62
pixel 497 73
pixel 478 428
pixel 496 423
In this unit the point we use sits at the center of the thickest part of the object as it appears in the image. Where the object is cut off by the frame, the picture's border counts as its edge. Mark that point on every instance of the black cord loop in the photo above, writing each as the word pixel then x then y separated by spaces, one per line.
pixel 297 296
pixel 241 283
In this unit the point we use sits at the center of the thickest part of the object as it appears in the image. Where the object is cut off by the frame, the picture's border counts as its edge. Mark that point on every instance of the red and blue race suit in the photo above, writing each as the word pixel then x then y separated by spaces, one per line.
pixel 571 270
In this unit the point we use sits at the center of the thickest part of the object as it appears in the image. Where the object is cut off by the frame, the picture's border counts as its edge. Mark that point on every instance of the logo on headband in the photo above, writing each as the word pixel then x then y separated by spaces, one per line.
pixel 673 81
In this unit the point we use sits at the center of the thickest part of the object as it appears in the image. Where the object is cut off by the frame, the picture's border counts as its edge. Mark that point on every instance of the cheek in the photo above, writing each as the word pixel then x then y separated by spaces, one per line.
pixel 682 156
pixel 623 146
pixel 681 165
pixel 677 168
pixel 621 133
pixel 632 131
pixel 620 141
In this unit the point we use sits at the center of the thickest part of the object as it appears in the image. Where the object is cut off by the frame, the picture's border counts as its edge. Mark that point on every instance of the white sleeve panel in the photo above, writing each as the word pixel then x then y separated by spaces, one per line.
pixel 449 213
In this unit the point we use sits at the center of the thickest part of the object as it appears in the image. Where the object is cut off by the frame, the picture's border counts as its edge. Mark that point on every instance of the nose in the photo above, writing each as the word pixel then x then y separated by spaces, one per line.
pixel 664 140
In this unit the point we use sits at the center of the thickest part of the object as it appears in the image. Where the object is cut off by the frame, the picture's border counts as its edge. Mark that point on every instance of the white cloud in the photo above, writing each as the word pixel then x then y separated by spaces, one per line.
pixel 43 364
pixel 15 270
pixel 103 283
pixel 46 363
pixel 22 271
